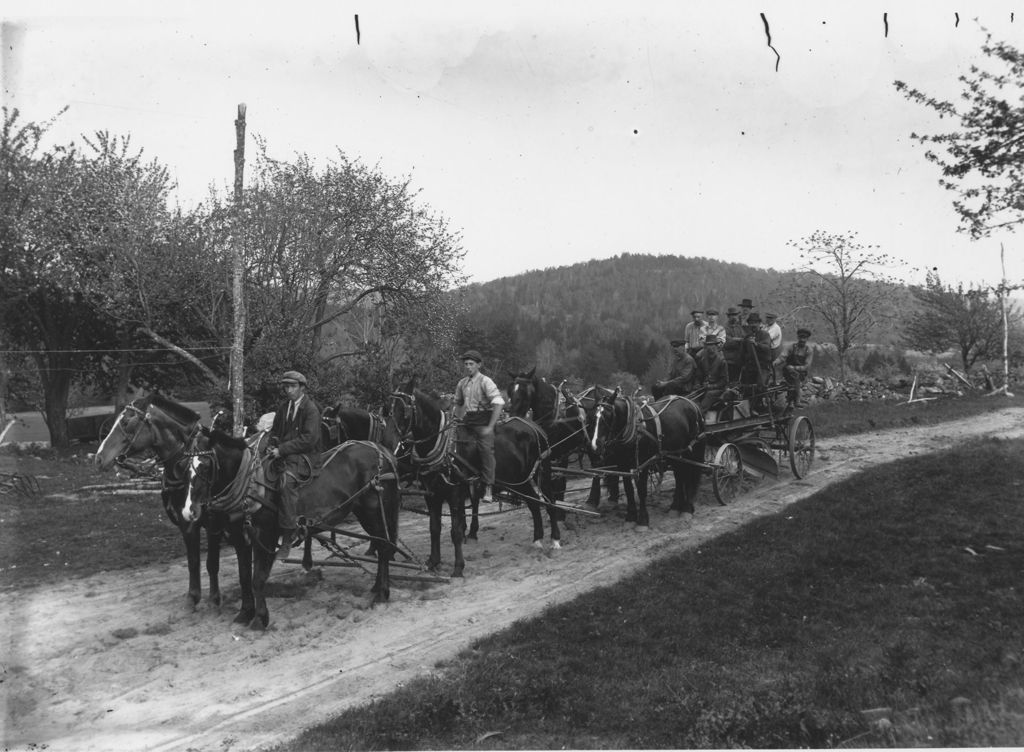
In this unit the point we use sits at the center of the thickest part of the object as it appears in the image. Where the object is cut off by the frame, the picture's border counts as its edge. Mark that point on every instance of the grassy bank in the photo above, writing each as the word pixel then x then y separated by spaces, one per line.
pixel 882 611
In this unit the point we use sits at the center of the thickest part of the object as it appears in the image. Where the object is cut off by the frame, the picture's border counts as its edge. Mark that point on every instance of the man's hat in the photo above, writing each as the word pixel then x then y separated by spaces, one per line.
pixel 771 315
pixel 712 312
pixel 712 339
pixel 696 311
pixel 745 303
pixel 733 311
pixel 472 355
pixel 803 332
pixel 754 318
pixel 293 377
pixel 677 342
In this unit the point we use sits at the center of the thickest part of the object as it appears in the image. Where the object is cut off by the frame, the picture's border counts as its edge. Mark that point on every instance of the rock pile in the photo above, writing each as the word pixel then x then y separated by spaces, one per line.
pixel 861 388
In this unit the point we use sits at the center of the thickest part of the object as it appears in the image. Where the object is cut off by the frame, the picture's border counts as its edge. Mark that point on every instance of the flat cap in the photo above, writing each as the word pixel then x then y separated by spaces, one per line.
pixel 678 342
pixel 472 355
pixel 733 311
pixel 697 310
pixel 293 377
pixel 754 318
pixel 712 312
pixel 771 315
pixel 803 332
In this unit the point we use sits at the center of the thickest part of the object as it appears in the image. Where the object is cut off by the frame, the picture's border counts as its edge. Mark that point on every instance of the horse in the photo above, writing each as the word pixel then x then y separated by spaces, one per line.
pixel 230 476
pixel 339 424
pixel 520 453
pixel 161 426
pixel 633 437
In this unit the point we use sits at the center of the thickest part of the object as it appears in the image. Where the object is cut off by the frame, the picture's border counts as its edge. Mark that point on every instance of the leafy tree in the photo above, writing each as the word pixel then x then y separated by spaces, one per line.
pixel 844 283
pixel 968 319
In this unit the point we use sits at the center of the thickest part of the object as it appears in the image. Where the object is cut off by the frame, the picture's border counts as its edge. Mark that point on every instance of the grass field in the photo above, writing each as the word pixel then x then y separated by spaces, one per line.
pixel 883 611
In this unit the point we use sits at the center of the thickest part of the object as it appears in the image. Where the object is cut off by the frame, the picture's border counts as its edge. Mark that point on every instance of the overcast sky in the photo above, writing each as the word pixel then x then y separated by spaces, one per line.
pixel 549 133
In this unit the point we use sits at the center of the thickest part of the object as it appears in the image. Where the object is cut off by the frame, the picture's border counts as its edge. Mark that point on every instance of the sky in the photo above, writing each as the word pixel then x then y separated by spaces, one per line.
pixel 549 133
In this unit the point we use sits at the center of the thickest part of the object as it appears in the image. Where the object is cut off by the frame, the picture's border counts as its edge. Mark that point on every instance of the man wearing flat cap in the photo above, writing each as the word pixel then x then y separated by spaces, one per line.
pixel 796 364
pixel 478 405
pixel 682 376
pixel 693 333
pixel 295 440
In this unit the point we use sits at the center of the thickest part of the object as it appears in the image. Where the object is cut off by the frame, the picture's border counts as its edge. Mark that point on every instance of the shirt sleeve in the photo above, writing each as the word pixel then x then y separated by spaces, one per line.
pixel 492 392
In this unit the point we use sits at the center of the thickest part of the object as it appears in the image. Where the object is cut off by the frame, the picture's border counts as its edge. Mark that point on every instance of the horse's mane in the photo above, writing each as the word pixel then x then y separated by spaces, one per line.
pixel 222 438
pixel 176 410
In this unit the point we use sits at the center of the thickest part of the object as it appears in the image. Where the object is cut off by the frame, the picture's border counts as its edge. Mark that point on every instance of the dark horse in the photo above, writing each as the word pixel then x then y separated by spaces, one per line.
pixel 447 475
pixel 231 476
pixel 160 426
pixel 340 424
pixel 635 437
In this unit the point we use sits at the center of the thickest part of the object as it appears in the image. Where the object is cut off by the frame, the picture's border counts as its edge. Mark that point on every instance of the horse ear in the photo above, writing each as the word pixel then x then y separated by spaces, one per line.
pixel 511 375
pixel 532 371
pixel 615 394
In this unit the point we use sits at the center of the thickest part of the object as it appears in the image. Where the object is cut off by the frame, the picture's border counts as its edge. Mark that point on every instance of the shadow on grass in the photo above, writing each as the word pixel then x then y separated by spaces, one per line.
pixel 884 610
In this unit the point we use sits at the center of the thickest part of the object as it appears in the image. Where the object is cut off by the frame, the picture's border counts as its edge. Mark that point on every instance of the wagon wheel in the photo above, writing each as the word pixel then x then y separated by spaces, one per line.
pixel 801 446
pixel 105 426
pixel 727 473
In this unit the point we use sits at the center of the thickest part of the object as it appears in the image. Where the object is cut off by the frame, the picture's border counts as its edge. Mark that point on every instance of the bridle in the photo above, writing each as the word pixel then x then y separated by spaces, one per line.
pixel 436 456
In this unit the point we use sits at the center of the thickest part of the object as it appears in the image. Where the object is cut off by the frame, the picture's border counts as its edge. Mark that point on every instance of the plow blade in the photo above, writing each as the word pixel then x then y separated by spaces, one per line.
pixel 758 460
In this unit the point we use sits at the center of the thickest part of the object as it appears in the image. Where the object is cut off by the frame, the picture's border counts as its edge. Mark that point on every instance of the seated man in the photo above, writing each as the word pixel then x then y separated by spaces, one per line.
pixel 713 373
pixel 796 363
pixel 682 376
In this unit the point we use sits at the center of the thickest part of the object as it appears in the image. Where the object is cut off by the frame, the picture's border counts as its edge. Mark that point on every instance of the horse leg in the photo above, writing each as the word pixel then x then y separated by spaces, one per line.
pixel 457 509
pixel 631 502
pixel 244 554
pixel 262 563
pixel 643 520
pixel 594 499
pixel 474 502
pixel 190 536
pixel 434 507
pixel 213 565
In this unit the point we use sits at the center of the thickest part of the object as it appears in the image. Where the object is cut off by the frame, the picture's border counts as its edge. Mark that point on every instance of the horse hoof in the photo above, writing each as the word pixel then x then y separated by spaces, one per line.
pixel 556 544
pixel 630 517
pixel 457 572
pixel 471 537
pixel 538 544
pixel 243 618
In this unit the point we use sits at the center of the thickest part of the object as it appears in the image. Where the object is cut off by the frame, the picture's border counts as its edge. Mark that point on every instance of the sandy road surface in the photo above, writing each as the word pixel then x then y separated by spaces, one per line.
pixel 114 662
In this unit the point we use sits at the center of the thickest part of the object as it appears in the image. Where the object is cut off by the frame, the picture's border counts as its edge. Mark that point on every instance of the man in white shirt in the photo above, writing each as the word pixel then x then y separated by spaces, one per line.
pixel 478 405
pixel 693 333
pixel 775 332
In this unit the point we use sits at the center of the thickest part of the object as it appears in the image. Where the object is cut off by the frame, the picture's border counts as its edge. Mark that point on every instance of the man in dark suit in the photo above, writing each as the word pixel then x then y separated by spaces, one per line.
pixel 295 437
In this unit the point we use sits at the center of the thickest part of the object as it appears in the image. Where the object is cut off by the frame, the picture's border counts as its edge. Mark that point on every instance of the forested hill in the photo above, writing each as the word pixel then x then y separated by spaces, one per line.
pixel 600 317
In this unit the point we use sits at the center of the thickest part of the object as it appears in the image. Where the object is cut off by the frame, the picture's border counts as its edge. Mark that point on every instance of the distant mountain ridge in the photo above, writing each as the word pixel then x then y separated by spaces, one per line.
pixel 603 316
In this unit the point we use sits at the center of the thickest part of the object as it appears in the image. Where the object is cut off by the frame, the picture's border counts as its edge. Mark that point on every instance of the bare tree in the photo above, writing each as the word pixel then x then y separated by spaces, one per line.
pixel 843 283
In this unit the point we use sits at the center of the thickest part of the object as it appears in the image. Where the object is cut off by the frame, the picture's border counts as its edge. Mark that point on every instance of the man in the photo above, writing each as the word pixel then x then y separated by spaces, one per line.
pixel 756 368
pixel 746 306
pixel 693 333
pixel 478 405
pixel 775 334
pixel 682 376
pixel 713 373
pixel 796 363
pixel 295 443
pixel 712 326
pixel 732 349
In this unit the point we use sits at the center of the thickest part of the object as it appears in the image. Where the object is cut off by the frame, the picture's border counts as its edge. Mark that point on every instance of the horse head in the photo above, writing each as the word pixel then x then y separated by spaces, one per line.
pixel 522 392
pixel 215 461
pixel 130 436
pixel 606 418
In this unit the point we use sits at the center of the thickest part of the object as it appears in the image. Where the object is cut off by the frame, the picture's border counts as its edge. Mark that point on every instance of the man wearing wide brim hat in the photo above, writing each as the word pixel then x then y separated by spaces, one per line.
pixel 478 405
pixel 295 440
pixel 714 374
pixel 732 343
pixel 796 365
pixel 746 306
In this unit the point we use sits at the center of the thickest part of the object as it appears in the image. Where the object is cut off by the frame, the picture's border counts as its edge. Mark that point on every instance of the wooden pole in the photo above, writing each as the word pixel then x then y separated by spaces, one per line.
pixel 238 282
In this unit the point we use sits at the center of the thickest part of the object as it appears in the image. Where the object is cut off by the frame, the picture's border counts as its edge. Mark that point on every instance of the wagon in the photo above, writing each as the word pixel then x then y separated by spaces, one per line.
pixel 752 436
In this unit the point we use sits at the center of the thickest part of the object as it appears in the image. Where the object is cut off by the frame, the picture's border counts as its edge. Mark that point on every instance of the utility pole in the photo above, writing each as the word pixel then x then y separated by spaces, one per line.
pixel 238 283
pixel 1004 293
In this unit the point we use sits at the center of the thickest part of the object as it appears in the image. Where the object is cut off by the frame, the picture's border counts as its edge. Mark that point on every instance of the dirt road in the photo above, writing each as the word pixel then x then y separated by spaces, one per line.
pixel 113 662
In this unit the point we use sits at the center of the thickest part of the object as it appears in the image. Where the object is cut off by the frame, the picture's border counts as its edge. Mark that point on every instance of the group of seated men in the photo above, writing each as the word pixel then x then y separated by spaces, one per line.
pixel 744 352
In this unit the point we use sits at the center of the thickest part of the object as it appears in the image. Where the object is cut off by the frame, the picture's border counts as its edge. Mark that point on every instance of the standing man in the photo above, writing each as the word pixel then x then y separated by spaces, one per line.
pixel 757 353
pixel 713 373
pixel 295 439
pixel 713 327
pixel 796 363
pixel 775 333
pixel 478 405
pixel 746 306
pixel 693 333
pixel 732 349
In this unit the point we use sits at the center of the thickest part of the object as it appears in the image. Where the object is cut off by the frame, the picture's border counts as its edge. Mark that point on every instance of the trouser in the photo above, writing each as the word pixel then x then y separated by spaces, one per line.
pixel 288 497
pixel 711 396
pixel 484 442
pixel 794 380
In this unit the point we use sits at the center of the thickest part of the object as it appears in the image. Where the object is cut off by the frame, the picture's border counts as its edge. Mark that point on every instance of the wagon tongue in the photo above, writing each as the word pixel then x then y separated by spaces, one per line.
pixel 758 461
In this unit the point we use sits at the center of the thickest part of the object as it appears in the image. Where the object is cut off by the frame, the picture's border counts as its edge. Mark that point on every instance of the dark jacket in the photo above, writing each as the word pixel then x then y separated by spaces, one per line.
pixel 713 371
pixel 300 436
